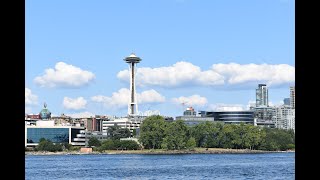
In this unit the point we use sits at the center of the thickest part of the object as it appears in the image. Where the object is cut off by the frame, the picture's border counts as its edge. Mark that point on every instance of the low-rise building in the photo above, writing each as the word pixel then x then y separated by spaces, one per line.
pixel 230 117
pixel 132 123
pixel 57 134
pixel 191 118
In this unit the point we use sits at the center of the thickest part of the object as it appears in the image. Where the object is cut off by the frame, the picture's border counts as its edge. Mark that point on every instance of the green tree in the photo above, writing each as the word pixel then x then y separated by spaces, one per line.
pixel 191 143
pixel 116 132
pixel 229 138
pixel 93 141
pixel 127 145
pixel 66 146
pixel 152 132
pixel 42 139
pixel 134 132
pixel 107 145
pixel 47 145
pixel 213 140
pixel 255 136
pixel 277 139
pixel 201 133
pixel 175 135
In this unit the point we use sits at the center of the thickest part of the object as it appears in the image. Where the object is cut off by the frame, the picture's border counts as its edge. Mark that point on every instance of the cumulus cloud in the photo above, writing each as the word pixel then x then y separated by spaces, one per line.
pixel 271 74
pixel 184 73
pixel 226 107
pixel 75 104
pixel 194 100
pixel 64 75
pixel 121 98
pixel 181 73
pixel 85 114
pixel 251 103
pixel 30 99
pixel 279 103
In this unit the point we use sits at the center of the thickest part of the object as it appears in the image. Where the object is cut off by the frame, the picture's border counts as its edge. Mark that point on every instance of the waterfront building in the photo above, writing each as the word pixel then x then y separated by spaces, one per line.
pixel 266 123
pixel 57 134
pixel 263 116
pixel 263 113
pixel 61 120
pixel 293 97
pixel 262 95
pixel 30 121
pixel 99 135
pixel 32 116
pixel 132 123
pixel 49 129
pixel 230 117
pixel 194 120
pixel 191 118
pixel 284 117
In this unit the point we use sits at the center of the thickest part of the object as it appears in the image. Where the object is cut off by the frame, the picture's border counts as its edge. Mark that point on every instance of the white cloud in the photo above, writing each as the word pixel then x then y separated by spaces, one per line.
pixel 75 104
pixel 184 73
pixel 64 75
pixel 279 103
pixel 194 100
pixel 150 96
pixel 121 98
pixel 251 103
pixel 178 74
pixel 226 107
pixel 30 99
pixel 81 115
pixel 270 74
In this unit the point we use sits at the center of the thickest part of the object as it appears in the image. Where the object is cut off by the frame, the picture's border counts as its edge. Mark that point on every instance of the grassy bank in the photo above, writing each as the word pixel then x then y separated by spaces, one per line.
pixel 159 151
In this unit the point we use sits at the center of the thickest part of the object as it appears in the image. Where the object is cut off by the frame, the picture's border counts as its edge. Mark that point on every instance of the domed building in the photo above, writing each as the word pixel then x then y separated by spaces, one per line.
pixel 45 113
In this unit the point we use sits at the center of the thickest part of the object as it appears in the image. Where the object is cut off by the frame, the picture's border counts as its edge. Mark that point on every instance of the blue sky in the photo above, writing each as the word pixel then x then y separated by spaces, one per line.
pixel 207 54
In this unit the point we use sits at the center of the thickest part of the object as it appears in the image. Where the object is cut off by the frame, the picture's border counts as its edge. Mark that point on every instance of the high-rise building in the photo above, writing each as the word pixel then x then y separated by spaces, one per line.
pixel 132 60
pixel 262 95
pixel 293 97
pixel 286 101
pixel 263 113
pixel 284 117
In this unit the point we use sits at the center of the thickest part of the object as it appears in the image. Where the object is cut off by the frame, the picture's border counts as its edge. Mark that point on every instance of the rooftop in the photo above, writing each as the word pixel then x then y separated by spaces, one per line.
pixel 132 58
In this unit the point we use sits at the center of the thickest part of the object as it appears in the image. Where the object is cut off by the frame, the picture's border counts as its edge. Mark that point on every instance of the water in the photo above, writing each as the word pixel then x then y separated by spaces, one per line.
pixel 190 166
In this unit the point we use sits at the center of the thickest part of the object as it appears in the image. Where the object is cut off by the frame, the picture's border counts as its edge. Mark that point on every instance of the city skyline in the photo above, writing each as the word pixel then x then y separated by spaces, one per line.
pixel 193 54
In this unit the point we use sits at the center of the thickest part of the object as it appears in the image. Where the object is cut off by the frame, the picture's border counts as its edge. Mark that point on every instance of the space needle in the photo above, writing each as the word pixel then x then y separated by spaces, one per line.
pixel 132 106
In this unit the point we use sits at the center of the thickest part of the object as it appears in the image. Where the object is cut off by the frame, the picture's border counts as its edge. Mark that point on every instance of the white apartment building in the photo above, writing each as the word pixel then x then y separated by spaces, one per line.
pixel 284 117
pixel 124 122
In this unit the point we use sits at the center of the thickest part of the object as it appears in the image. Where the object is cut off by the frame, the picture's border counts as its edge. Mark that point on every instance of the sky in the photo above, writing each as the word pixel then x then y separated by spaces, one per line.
pixel 208 54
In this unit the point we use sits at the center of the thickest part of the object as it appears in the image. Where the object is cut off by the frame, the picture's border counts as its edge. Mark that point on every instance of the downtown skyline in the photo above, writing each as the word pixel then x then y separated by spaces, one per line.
pixel 201 54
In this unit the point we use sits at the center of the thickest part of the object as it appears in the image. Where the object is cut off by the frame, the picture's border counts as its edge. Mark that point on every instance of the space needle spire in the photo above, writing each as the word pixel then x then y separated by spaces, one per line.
pixel 132 60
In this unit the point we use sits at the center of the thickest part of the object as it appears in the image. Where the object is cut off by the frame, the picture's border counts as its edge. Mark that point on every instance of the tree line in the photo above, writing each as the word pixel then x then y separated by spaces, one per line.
pixel 47 145
pixel 156 133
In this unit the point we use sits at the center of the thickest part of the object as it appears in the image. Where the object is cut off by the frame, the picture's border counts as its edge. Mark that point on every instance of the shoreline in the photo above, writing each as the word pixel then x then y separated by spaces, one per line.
pixel 158 152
